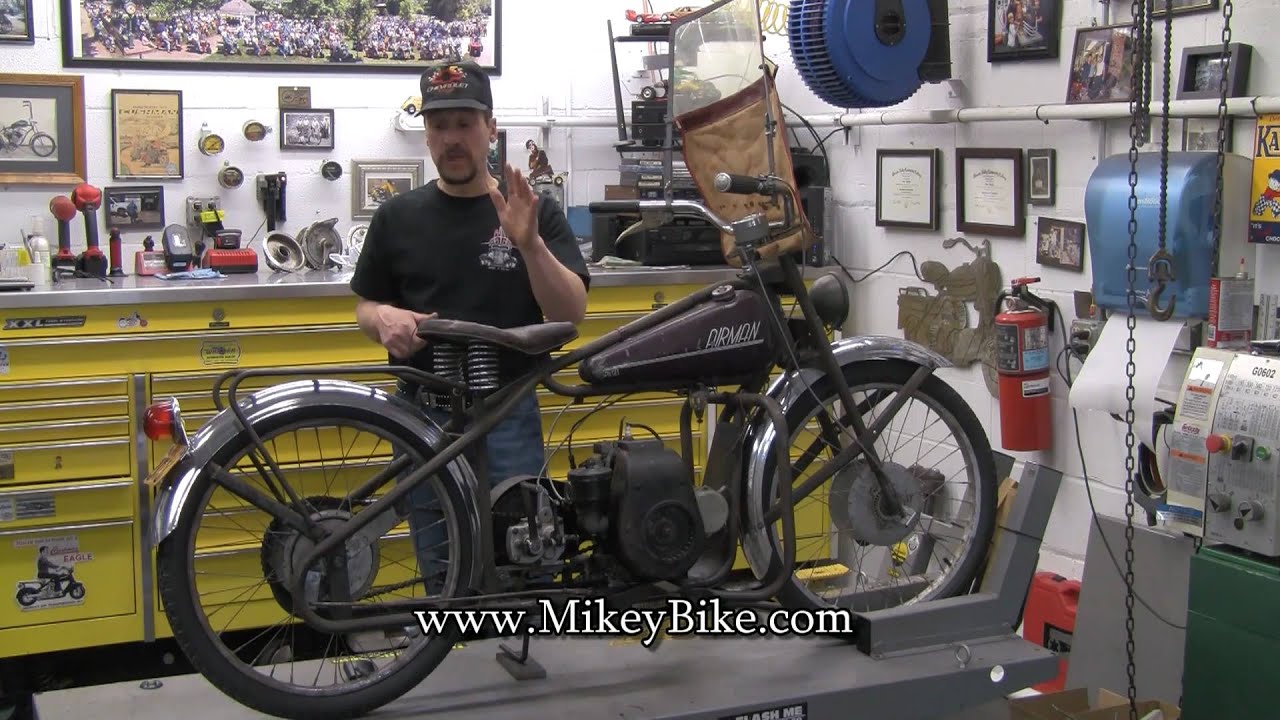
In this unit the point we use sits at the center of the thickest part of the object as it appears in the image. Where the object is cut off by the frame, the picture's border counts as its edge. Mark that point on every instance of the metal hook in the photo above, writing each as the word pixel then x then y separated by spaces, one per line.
pixel 1160 271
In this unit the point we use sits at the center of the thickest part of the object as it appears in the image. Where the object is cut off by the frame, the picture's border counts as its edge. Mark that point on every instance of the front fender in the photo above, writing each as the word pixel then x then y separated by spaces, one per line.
pixel 302 397
pixel 787 389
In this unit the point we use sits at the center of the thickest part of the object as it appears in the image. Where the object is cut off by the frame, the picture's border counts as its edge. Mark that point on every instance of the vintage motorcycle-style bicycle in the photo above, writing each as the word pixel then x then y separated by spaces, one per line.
pixel 291 545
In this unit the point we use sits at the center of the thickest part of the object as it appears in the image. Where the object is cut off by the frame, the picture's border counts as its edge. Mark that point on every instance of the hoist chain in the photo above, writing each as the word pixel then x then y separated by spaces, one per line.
pixel 1138 114
pixel 1227 11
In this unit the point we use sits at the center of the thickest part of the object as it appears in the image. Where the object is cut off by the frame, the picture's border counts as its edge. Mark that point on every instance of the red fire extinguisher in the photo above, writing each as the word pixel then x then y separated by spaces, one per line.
pixel 1023 325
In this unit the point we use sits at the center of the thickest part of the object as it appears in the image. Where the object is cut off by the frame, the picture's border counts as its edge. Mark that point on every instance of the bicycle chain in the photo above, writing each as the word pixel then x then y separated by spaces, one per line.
pixel 1137 113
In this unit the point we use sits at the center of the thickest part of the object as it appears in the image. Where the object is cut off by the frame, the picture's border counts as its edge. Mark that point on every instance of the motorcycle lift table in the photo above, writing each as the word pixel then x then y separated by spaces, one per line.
pixel 910 662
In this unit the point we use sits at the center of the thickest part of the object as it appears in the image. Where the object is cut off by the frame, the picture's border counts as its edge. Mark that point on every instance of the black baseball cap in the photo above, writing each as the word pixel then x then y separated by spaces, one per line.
pixel 456 85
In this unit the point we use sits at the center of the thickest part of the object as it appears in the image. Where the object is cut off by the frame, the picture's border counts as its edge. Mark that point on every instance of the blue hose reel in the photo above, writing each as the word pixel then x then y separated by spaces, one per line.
pixel 869 53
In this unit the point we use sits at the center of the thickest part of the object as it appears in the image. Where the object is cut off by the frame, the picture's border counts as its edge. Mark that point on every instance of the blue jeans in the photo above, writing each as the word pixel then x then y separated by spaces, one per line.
pixel 513 447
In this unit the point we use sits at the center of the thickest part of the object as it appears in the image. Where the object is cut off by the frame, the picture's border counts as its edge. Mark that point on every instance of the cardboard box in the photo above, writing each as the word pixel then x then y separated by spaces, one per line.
pixel 1085 704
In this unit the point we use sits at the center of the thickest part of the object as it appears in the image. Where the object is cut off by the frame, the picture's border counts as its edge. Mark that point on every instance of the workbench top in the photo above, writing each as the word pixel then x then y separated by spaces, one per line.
pixel 134 289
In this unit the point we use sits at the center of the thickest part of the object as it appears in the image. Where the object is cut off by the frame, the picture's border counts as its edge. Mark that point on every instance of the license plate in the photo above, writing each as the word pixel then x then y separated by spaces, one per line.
pixel 162 468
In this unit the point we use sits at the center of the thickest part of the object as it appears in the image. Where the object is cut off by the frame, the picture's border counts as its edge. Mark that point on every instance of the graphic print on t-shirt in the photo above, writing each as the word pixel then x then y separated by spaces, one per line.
pixel 499 256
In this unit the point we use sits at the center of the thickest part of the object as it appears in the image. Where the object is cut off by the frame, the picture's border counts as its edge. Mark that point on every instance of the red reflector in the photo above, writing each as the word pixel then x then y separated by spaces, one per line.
pixel 158 421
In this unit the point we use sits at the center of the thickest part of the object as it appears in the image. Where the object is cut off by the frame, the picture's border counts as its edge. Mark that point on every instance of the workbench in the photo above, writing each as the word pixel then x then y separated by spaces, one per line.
pixel 82 359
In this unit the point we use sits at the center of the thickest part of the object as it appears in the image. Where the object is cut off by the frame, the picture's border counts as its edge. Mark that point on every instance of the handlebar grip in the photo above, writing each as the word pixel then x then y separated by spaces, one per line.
pixel 613 207
pixel 739 184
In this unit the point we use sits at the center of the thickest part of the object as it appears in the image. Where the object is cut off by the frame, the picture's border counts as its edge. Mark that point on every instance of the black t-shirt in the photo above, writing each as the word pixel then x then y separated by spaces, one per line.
pixel 428 251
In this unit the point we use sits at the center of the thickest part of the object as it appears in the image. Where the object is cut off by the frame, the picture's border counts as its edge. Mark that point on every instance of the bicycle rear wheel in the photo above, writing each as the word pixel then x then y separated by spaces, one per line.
pixel 222 572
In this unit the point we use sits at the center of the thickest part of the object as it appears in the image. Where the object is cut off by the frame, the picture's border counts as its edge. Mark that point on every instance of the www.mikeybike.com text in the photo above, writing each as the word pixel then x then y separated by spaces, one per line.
pixel 677 617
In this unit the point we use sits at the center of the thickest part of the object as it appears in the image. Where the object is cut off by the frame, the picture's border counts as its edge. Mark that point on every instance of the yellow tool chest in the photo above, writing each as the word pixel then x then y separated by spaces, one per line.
pixel 80 364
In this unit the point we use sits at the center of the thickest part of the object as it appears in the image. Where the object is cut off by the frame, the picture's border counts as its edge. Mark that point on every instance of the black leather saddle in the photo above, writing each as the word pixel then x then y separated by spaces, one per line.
pixel 527 339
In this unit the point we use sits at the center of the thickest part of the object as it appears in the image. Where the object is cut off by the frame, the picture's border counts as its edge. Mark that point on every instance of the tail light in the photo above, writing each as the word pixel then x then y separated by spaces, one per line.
pixel 163 421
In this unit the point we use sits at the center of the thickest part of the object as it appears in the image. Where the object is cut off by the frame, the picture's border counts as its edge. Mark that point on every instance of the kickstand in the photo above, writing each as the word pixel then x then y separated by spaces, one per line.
pixel 519 665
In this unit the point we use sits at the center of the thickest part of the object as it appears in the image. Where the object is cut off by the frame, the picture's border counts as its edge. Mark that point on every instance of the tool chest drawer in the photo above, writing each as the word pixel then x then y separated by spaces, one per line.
pixel 51 391
pixel 213 351
pixel 64 573
pixel 194 391
pixel 25 506
pixel 64 460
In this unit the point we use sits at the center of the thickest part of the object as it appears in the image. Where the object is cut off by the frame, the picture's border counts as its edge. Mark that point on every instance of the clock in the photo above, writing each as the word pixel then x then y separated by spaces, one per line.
pixel 330 170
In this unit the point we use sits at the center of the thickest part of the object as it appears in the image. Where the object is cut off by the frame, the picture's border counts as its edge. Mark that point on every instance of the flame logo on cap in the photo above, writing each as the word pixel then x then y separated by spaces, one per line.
pixel 447 74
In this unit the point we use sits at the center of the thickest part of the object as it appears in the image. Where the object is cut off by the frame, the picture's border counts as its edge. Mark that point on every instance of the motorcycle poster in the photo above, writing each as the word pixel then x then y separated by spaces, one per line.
pixel 52 582
pixel 146 134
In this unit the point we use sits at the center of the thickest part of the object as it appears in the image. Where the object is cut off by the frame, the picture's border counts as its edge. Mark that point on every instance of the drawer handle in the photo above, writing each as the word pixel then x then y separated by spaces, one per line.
pixel 18 427
pixel 45 384
pixel 64 528
pixel 63 446
pixel 44 342
pixel 27 407
pixel 70 488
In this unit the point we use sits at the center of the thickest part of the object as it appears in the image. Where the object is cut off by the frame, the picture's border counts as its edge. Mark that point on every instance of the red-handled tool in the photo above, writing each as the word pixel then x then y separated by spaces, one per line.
pixel 64 211
pixel 114 246
pixel 92 261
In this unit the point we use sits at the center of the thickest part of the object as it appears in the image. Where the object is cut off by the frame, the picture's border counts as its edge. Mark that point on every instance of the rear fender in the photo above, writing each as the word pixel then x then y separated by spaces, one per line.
pixel 302 398
pixel 787 390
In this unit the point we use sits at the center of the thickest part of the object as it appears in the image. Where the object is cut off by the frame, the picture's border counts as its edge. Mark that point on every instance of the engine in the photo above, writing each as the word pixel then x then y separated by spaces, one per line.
pixel 636 500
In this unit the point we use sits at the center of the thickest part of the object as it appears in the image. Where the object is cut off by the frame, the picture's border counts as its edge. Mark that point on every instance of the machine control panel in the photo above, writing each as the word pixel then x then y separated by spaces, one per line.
pixel 1242 507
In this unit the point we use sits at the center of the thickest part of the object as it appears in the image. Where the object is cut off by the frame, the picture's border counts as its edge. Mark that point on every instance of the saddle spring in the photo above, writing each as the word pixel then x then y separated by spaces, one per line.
pixel 446 361
pixel 482 367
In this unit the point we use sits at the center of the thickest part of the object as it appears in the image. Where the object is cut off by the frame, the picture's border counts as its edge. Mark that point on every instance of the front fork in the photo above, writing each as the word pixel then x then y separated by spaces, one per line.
pixel 864 440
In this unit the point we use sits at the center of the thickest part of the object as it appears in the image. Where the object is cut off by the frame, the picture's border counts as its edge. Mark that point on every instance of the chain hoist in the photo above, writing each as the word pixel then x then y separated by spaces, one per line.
pixel 1227 11
pixel 1138 114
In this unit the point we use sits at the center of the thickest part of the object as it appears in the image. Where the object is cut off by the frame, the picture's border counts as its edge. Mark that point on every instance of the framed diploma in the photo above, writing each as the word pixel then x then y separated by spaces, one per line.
pixel 989 190
pixel 907 188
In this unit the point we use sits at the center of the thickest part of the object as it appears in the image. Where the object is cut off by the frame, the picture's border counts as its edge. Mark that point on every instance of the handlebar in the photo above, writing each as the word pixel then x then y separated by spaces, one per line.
pixel 724 182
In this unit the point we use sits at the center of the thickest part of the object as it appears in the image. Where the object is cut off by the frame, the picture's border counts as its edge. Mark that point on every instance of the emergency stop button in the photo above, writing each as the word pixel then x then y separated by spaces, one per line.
pixel 1217 443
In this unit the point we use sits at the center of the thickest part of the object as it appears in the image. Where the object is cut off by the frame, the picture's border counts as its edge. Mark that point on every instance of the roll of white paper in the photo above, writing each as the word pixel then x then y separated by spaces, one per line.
pixel 1102 381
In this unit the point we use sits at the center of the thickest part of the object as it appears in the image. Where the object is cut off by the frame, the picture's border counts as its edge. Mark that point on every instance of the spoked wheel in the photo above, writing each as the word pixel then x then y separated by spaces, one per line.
pixel 849 553
pixel 224 571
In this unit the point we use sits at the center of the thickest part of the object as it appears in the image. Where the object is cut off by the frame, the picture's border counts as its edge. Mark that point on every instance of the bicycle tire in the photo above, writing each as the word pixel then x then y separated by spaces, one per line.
pixel 175 566
pixel 894 372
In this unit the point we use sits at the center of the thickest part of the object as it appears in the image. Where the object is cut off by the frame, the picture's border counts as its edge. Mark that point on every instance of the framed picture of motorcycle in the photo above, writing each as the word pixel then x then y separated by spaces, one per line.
pixel 146 134
pixel 42 129
pixel 130 208
pixel 15 23
pixel 243 36
pixel 374 182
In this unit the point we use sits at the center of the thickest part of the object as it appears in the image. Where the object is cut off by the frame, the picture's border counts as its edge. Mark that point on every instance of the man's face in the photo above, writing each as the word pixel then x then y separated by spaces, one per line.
pixel 458 140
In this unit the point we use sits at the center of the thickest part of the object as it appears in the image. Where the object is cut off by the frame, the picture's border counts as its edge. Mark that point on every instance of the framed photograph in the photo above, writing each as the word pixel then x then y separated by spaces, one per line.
pixel 1023 29
pixel 306 129
pixel 1202 67
pixel 1201 135
pixel 373 182
pixel 907 188
pixel 989 187
pixel 42 127
pixel 146 134
pixel 242 36
pixel 1160 8
pixel 1101 65
pixel 133 208
pixel 1060 243
pixel 15 23
pixel 1042 181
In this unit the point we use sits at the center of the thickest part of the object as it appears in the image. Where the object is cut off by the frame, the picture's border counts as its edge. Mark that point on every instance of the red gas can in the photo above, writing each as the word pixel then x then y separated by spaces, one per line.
pixel 1049 620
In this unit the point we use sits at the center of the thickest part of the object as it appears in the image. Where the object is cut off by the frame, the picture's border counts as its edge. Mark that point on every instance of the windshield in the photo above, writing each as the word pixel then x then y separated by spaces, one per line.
pixel 715 55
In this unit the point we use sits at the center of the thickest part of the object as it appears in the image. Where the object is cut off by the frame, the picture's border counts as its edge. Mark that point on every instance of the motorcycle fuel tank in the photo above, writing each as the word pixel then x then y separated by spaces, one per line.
pixel 722 340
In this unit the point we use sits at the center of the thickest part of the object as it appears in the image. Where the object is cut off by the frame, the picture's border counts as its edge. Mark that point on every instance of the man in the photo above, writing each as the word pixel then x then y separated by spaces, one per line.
pixel 455 248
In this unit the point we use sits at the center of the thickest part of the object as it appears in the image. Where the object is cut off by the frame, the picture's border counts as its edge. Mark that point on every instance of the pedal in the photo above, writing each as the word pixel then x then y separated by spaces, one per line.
pixel 824 572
